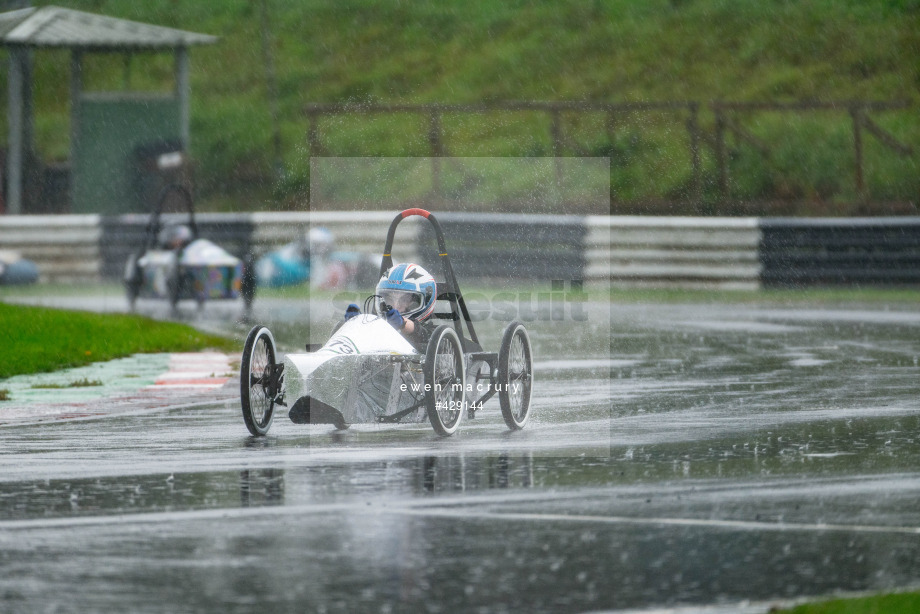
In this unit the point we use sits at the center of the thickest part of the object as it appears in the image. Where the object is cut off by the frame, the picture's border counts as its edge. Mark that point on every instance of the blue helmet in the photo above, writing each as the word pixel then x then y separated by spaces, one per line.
pixel 409 289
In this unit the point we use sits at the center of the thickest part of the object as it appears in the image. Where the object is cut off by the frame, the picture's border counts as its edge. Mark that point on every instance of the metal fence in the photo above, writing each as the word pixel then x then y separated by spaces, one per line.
pixel 728 120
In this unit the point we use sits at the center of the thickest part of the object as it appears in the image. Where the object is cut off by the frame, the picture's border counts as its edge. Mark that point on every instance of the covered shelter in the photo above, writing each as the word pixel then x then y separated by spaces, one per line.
pixel 110 132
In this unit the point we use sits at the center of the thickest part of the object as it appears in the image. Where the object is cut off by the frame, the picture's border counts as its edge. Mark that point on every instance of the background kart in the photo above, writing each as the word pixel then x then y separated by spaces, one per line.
pixel 14 269
pixel 368 372
pixel 174 263
pixel 299 262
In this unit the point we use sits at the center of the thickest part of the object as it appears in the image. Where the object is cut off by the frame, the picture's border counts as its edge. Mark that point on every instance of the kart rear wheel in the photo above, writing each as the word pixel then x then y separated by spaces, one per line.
pixel 174 284
pixel 257 395
pixel 445 401
pixel 133 280
pixel 172 288
pixel 515 376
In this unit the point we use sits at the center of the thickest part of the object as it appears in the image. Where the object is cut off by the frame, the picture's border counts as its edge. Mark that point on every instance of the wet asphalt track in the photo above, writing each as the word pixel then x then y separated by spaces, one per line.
pixel 721 456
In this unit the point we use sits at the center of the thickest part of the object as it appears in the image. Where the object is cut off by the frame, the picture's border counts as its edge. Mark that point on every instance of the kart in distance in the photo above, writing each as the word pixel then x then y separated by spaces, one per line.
pixel 367 372
pixel 175 264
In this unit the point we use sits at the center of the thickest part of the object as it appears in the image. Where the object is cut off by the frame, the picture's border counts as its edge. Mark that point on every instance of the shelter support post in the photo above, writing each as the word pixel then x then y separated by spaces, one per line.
pixel 76 93
pixel 183 94
pixel 15 116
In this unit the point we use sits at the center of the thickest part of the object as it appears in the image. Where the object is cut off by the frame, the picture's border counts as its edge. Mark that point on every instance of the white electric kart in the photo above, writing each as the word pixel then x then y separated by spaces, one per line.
pixel 369 373
pixel 194 269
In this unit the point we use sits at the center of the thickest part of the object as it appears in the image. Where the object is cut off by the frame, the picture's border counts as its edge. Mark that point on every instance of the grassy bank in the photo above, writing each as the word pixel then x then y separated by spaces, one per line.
pixel 905 603
pixel 460 51
pixel 40 339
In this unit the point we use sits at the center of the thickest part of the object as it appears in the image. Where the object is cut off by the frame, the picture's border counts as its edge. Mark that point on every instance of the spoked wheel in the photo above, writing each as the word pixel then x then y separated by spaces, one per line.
pixel 445 401
pixel 515 375
pixel 260 380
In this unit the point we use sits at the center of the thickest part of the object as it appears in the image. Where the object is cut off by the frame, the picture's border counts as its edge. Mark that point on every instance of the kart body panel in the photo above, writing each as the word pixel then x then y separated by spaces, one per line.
pixel 366 371
pixel 191 268
pixel 285 266
pixel 14 269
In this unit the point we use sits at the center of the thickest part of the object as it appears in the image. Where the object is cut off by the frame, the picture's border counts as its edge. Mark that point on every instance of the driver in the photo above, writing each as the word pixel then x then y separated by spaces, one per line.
pixel 405 296
pixel 175 236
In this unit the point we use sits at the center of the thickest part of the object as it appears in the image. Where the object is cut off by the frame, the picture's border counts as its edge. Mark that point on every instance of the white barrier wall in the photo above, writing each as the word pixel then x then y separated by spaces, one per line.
pixel 685 252
pixel 624 250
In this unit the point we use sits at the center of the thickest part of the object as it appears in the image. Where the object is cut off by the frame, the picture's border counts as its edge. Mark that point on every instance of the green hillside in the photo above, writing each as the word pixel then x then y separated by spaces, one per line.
pixel 465 51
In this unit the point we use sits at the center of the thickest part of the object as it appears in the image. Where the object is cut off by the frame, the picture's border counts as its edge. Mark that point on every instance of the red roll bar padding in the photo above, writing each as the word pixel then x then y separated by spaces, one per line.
pixel 387 261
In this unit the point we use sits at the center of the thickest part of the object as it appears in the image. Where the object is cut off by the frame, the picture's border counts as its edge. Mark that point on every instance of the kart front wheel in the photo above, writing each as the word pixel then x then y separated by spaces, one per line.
pixel 260 380
pixel 445 394
pixel 515 376
pixel 248 282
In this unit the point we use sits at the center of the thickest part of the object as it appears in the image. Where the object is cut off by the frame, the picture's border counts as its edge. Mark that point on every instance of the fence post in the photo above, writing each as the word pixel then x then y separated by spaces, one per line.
pixel 693 130
pixel 611 126
pixel 611 137
pixel 555 129
pixel 856 114
pixel 721 160
pixel 312 133
pixel 434 141
pixel 556 133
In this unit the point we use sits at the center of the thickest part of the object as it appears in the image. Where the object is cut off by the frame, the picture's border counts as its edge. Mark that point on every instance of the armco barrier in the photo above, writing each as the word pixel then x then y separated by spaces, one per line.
pixel 501 246
pixel 627 251
pixel 851 251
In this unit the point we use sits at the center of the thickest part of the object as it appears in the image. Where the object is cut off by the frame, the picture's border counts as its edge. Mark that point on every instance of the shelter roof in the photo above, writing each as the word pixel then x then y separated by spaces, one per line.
pixel 52 26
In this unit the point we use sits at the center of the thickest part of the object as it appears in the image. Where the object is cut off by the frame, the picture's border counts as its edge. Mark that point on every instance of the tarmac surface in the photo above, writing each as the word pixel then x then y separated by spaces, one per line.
pixel 710 458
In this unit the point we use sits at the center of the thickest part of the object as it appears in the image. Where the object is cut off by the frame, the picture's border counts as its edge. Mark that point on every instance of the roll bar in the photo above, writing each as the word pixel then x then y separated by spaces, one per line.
pixel 153 224
pixel 448 290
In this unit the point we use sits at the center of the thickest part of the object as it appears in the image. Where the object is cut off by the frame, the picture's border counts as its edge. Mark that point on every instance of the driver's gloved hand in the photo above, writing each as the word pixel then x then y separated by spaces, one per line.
pixel 395 318
pixel 351 311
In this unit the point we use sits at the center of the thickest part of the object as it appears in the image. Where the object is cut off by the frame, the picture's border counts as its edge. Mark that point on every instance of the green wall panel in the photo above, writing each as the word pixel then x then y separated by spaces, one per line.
pixel 110 132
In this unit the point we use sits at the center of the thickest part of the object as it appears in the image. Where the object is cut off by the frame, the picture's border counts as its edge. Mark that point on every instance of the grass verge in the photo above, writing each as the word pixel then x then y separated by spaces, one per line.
pixel 41 339
pixel 773 296
pixel 815 295
pixel 901 603
pixel 80 383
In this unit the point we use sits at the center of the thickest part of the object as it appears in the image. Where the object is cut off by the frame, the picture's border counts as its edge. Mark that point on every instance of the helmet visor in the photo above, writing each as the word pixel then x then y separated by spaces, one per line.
pixel 403 301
